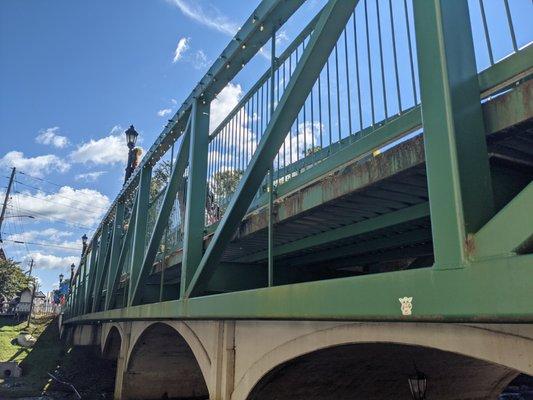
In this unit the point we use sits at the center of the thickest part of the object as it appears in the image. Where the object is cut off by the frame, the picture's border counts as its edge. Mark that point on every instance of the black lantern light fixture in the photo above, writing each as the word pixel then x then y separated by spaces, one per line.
pixel 418 385
pixel 61 276
pixel 131 139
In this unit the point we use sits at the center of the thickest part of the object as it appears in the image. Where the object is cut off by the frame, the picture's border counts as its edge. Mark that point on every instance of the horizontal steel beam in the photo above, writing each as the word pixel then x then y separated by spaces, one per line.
pixel 495 290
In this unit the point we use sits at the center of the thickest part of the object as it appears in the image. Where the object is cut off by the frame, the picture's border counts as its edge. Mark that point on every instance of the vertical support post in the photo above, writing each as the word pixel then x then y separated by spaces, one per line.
pixel 115 252
pixel 139 235
pixel 458 172
pixel 85 281
pixel 271 170
pixel 98 276
pixel 193 239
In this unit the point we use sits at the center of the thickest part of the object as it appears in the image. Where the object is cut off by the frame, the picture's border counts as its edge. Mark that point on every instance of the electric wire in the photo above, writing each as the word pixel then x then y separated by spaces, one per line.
pixel 61 195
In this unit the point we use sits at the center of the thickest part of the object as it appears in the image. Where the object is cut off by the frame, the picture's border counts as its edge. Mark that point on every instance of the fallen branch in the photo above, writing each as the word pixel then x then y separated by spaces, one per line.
pixel 66 384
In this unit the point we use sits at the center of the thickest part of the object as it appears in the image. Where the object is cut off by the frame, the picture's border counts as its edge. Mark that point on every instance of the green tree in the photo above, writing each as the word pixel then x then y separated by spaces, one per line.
pixel 12 278
pixel 225 183
pixel 311 150
pixel 160 177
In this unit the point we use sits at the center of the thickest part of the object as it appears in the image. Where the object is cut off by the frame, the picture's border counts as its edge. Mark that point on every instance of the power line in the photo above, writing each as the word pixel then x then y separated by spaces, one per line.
pixel 60 195
pixel 59 204
pixel 57 219
pixel 40 179
pixel 41 244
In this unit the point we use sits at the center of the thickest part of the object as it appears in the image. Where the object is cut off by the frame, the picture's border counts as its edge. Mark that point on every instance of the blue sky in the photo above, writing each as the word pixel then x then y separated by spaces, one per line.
pixel 74 75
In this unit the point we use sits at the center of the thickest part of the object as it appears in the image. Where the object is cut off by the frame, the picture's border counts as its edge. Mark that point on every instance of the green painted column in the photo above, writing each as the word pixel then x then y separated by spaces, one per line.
pixel 116 244
pixel 98 276
pixel 457 165
pixel 139 234
pixel 196 192
pixel 87 271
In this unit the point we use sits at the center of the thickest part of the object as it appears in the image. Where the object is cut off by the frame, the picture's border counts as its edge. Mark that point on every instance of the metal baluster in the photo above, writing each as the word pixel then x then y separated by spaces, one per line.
pixel 411 60
pixel 510 23
pixel 359 106
pixel 381 61
pixel 393 32
pixel 348 83
pixel 369 65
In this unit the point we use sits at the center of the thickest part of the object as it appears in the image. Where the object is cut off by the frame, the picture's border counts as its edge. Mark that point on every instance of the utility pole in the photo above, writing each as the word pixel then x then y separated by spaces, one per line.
pixel 4 206
pixel 32 294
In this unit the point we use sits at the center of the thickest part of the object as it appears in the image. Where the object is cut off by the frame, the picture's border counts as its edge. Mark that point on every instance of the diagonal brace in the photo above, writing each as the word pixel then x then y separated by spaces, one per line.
pixel 328 28
pixel 175 184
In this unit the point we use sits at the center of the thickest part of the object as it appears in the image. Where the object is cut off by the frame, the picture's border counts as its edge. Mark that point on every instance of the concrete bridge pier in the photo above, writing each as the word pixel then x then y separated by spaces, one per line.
pixel 263 360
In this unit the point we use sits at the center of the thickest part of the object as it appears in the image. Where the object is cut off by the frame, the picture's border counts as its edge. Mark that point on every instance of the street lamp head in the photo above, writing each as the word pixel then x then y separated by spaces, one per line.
pixel 418 385
pixel 131 136
pixel 61 276
pixel 72 266
pixel 84 239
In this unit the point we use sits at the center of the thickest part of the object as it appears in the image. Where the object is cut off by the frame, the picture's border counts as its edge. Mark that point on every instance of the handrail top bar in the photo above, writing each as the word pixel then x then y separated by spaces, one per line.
pixel 269 14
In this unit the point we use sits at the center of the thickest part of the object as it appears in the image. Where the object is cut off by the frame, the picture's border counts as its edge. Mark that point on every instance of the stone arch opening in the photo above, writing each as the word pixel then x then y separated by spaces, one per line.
pixel 380 370
pixel 162 365
pixel 112 345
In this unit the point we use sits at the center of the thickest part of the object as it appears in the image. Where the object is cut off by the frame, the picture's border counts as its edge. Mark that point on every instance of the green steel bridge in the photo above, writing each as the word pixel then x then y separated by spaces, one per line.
pixel 380 170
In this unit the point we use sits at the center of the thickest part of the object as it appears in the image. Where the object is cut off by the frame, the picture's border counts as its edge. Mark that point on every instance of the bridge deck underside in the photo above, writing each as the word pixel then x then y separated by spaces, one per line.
pixel 318 234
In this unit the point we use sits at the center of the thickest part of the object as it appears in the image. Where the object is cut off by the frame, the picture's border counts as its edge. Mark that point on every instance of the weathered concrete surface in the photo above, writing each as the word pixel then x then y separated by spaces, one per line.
pixel 239 360
pixel 10 369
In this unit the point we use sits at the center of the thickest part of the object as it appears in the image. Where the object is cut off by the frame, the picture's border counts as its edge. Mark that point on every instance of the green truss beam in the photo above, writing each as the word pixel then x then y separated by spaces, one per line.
pixel 193 238
pixel 100 266
pixel 459 181
pixel 508 230
pixel 115 252
pixel 327 30
pixel 175 184
pixel 139 234
pixel 124 249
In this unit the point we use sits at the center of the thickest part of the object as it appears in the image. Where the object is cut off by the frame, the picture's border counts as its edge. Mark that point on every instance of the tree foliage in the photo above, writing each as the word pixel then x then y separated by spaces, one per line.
pixel 160 177
pixel 225 183
pixel 12 279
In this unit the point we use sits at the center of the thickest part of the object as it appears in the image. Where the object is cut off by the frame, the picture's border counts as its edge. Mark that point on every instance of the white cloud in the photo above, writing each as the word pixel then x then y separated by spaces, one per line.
pixel 78 206
pixel 50 136
pixel 36 166
pixel 181 48
pixel 89 176
pixel 225 101
pixel 51 261
pixel 211 18
pixel 110 149
pixel 164 112
pixel 50 234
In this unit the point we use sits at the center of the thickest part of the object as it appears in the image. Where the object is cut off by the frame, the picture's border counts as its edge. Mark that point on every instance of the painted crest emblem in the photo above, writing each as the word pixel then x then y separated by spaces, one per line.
pixel 406 305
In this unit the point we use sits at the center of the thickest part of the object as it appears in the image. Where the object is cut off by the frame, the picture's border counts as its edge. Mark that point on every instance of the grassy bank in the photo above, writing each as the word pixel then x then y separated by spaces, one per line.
pixel 92 376
pixel 35 362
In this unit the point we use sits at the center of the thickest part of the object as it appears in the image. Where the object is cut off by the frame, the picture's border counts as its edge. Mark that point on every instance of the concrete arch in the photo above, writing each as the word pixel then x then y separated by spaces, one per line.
pixel 170 357
pixel 107 331
pixel 503 348
pixel 112 346
pixel 197 347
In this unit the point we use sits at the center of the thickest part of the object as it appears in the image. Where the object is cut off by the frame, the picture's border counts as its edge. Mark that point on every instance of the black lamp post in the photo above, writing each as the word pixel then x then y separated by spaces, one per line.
pixel 84 243
pixel 131 139
pixel 418 385
pixel 61 276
